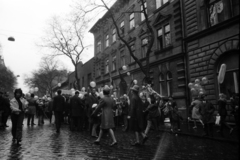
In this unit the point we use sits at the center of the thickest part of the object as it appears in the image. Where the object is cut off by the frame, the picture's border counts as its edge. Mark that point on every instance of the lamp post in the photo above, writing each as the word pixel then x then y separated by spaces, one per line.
pixel 12 39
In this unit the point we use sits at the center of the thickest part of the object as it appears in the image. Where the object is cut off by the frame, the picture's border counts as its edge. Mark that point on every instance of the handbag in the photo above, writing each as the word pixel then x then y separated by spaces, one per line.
pixel 217 122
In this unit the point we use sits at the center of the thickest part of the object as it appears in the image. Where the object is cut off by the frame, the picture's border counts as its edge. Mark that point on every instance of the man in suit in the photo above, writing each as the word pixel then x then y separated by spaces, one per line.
pixel 58 108
pixel 77 112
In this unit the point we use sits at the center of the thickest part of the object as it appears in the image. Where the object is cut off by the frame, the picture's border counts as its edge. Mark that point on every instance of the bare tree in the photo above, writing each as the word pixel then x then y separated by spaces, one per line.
pixel 47 76
pixel 112 16
pixel 7 79
pixel 65 38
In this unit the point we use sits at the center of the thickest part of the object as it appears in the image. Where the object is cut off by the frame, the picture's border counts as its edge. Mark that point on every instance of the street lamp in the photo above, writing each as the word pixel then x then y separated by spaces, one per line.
pixel 12 39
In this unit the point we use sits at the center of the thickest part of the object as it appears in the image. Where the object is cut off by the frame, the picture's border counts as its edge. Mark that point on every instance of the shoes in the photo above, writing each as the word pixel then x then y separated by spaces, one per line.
pixel 135 144
pixel 96 142
pixel 195 127
pixel 231 130
pixel 33 124
pixel 144 139
pixel 114 144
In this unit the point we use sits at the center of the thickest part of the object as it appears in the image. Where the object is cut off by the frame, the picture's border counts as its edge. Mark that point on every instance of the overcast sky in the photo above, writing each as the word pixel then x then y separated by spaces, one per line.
pixel 26 21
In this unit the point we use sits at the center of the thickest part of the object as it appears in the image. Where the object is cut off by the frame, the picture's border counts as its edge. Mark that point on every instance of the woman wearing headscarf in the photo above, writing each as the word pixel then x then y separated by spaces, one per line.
pixel 106 104
pixel 18 106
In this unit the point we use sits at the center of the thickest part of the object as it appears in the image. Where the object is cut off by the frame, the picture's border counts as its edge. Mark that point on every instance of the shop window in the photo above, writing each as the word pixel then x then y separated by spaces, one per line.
pixel 160 39
pixel 167 35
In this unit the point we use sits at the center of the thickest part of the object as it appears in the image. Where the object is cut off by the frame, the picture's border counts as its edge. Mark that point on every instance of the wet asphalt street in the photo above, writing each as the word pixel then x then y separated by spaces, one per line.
pixel 41 142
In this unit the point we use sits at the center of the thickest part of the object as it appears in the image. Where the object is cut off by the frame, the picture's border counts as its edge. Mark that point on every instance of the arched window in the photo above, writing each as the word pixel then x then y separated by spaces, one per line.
pixel 230 84
pixel 169 83
pixel 161 82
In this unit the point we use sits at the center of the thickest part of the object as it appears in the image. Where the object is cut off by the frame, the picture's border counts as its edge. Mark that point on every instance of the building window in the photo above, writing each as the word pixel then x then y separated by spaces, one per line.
pixel 160 39
pixel 161 82
pixel 107 66
pixel 114 63
pixel 122 28
pixel 169 83
pixel 219 11
pixel 144 47
pixel 230 84
pixel 164 37
pixel 133 51
pixel 99 69
pixel 114 35
pixel 167 35
pixel 123 60
pixel 107 40
pixel 160 3
pixel 99 46
pixel 132 21
pixel 142 11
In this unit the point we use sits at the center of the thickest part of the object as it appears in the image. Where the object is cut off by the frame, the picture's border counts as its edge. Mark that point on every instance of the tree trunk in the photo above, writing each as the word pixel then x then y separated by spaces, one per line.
pixel 76 77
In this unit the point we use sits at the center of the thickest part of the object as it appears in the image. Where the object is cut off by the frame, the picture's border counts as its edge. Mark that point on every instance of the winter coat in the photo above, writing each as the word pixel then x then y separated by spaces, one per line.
pixel 58 103
pixel 207 112
pixel 77 107
pixel 222 110
pixel 107 120
pixel 136 114
pixel 15 106
pixel 32 106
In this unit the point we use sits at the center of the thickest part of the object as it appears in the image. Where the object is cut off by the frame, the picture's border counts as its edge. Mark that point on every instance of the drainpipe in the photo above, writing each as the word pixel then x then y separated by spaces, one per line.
pixel 185 56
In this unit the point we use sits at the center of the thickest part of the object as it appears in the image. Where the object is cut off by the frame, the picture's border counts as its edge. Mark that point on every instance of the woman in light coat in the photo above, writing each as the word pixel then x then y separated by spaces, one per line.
pixel 18 106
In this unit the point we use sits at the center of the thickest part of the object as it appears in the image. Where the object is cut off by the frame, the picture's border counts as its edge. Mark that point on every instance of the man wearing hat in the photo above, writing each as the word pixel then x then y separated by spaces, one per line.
pixel 58 108
pixel 136 115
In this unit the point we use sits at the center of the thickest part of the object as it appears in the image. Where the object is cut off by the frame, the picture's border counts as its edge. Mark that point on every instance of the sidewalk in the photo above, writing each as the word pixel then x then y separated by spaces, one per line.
pixel 187 130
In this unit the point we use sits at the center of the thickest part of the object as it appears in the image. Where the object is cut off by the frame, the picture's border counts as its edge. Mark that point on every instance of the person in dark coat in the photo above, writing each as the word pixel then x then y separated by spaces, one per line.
pixel 174 115
pixel 207 112
pixel 107 118
pixel 6 109
pixel 91 99
pixel 77 112
pixel 222 111
pixel 136 115
pixel 145 106
pixel 31 110
pixel 235 108
pixel 125 112
pixel 58 108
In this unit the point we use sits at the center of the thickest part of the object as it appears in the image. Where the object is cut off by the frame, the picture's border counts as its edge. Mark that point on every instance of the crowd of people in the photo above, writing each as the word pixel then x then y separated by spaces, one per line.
pixel 101 112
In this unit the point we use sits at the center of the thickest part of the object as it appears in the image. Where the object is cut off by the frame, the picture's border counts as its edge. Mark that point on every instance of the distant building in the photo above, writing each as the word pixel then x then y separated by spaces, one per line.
pixel 85 72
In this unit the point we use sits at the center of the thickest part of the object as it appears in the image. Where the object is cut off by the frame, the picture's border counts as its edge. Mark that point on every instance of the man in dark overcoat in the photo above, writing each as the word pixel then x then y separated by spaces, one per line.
pixel 58 108
pixel 136 115
pixel 77 112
